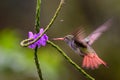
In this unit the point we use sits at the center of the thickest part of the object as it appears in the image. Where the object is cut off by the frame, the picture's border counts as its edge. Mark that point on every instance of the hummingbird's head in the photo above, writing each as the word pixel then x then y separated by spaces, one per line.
pixel 66 38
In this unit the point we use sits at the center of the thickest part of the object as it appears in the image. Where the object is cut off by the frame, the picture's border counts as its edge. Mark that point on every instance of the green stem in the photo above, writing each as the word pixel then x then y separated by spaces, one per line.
pixel 37 64
pixel 28 42
pixel 37 26
pixel 55 15
pixel 37 17
pixel 70 61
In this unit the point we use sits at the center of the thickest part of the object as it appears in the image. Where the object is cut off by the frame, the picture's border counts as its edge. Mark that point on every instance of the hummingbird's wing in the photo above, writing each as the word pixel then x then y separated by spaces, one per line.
pixel 79 34
pixel 96 34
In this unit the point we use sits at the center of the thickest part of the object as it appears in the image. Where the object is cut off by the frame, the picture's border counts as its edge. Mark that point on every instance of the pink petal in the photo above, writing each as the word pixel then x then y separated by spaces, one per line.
pixel 30 35
pixel 41 30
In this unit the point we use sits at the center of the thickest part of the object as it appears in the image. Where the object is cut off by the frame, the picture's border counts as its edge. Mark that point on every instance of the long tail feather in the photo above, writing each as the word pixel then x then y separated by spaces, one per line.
pixel 92 61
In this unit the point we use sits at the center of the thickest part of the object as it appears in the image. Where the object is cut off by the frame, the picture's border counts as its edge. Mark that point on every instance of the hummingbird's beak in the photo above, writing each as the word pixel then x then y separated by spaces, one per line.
pixel 58 39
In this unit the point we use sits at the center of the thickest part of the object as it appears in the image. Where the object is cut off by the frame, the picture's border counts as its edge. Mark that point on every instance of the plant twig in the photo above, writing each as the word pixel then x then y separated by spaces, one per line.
pixel 37 64
pixel 70 61
pixel 37 26
pixel 37 16
pixel 28 42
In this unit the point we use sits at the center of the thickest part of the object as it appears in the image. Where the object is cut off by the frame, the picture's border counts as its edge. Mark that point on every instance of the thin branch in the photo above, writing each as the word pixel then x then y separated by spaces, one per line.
pixel 28 42
pixel 37 64
pixel 70 61
pixel 37 26
pixel 37 16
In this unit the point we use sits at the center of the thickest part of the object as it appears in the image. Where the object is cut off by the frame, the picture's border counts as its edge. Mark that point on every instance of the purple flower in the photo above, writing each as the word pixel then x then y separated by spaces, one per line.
pixel 41 42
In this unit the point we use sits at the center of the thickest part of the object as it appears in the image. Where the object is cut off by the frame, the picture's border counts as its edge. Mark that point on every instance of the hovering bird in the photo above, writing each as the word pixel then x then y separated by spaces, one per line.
pixel 82 45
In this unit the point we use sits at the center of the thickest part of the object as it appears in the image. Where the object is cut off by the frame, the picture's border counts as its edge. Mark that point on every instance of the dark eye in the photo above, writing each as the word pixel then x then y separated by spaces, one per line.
pixel 66 38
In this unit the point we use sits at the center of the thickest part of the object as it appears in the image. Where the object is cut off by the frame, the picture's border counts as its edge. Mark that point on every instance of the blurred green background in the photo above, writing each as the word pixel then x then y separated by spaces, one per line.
pixel 17 18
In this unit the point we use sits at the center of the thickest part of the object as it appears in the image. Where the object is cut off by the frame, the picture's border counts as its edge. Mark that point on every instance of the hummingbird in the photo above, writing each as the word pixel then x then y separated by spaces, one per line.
pixel 82 45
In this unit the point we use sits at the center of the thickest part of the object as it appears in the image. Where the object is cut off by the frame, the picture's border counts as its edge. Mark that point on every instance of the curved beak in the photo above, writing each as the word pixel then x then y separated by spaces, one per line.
pixel 58 39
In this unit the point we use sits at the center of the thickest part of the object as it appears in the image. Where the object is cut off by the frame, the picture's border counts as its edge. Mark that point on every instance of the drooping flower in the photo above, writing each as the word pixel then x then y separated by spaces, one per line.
pixel 41 42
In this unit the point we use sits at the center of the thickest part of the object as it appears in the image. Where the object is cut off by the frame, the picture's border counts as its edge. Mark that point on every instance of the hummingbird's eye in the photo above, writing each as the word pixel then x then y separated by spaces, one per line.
pixel 67 38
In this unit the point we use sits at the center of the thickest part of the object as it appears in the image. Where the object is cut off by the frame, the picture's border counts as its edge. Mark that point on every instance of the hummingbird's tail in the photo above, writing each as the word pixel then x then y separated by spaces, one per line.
pixel 92 61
